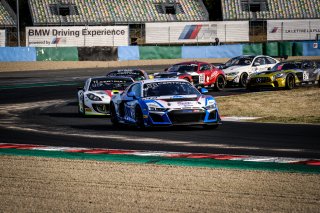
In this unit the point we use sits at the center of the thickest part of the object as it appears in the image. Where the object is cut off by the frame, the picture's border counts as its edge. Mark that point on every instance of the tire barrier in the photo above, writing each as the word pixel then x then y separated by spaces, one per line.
pixel 156 52
pixel 57 54
pixel 97 53
pixel 15 54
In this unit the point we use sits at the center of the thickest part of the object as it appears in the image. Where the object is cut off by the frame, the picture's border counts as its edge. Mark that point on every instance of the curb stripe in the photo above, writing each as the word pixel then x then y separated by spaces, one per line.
pixel 169 158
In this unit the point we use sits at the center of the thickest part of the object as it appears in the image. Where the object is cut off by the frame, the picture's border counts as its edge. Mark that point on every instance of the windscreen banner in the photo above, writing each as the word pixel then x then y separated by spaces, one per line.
pixel 197 32
pixel 289 30
pixel 2 38
pixel 77 36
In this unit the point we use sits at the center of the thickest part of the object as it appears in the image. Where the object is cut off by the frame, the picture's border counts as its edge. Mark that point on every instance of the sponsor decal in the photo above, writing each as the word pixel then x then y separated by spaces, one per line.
pixel 274 30
pixel 190 31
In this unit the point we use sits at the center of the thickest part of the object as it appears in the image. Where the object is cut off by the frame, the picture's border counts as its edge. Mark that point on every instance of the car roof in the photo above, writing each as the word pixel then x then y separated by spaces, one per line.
pixel 111 77
pixel 192 62
pixel 162 80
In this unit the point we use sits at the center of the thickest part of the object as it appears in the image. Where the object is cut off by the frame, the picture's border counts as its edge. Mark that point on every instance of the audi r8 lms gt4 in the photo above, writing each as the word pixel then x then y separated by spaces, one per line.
pixel 135 74
pixel 286 75
pixel 239 68
pixel 201 74
pixel 94 98
pixel 164 102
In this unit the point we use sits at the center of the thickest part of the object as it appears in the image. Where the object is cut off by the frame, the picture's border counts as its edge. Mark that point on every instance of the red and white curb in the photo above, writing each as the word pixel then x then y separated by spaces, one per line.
pixel 305 161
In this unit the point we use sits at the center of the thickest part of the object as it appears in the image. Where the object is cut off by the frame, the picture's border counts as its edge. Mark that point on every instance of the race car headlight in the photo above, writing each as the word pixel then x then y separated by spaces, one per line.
pixel 211 106
pixel 232 73
pixel 156 108
pixel 279 75
pixel 93 97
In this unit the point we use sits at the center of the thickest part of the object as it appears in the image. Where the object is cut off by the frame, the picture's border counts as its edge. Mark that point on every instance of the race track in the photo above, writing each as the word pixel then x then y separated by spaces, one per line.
pixel 41 108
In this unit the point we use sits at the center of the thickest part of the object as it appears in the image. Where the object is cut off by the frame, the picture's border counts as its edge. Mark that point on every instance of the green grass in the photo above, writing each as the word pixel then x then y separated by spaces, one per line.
pixel 300 105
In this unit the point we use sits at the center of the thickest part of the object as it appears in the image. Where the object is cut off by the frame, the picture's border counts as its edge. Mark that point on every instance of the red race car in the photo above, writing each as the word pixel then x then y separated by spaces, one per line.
pixel 201 74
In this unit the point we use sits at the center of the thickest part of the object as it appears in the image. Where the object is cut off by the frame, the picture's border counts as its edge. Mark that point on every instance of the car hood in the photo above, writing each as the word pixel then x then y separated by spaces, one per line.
pixel 101 93
pixel 235 69
pixel 177 101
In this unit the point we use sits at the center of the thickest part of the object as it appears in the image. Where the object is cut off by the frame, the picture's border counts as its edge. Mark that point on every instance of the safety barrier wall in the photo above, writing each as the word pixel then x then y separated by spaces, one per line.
pixel 13 54
pixel 159 52
pixel 226 51
pixel 97 53
pixel 57 54
pixel 126 53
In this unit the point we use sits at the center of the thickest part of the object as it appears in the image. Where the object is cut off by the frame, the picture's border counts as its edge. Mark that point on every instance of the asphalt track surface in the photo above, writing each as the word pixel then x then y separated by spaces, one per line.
pixel 40 107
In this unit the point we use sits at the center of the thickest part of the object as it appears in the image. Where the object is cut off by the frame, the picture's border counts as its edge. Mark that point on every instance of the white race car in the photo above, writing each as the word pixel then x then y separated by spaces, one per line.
pixel 239 68
pixel 94 98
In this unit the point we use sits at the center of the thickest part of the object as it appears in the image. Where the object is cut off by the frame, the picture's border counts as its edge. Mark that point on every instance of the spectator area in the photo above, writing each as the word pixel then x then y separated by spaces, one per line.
pixel 270 9
pixel 7 16
pixel 95 12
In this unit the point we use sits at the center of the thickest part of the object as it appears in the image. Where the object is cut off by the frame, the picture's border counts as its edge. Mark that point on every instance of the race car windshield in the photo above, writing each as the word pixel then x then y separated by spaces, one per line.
pixel 136 75
pixel 183 68
pixel 284 66
pixel 113 84
pixel 168 88
pixel 239 61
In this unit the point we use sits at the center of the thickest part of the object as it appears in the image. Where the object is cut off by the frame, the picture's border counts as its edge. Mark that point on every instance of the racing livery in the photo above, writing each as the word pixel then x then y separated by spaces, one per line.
pixel 164 102
pixel 238 69
pixel 94 98
pixel 135 74
pixel 201 74
pixel 286 75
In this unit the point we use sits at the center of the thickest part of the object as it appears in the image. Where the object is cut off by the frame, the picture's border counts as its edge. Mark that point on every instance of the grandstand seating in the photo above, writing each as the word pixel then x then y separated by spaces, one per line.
pixel 7 17
pixel 95 12
pixel 275 9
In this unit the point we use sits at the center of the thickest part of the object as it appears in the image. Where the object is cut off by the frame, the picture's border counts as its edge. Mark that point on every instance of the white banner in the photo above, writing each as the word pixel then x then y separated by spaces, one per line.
pixel 77 36
pixel 197 32
pixel 305 29
pixel 2 38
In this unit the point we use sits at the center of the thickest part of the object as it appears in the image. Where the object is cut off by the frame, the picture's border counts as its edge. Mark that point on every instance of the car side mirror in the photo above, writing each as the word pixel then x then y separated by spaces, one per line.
pixel 132 94
pixel 203 90
pixel 256 64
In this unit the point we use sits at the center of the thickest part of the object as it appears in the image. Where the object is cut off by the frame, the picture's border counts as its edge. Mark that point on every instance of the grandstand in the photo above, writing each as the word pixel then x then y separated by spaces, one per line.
pixel 7 16
pixel 270 9
pixel 103 12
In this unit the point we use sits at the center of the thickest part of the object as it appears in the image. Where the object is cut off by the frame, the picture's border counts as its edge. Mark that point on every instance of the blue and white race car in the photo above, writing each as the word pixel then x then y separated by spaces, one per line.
pixel 164 102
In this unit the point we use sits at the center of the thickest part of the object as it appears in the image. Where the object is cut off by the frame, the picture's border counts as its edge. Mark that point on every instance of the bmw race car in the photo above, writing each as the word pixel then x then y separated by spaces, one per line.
pixel 135 74
pixel 94 98
pixel 286 75
pixel 164 102
pixel 238 69
pixel 200 74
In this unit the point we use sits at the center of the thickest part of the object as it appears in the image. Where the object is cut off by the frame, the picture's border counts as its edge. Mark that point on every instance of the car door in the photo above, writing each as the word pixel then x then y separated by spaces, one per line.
pixel 129 102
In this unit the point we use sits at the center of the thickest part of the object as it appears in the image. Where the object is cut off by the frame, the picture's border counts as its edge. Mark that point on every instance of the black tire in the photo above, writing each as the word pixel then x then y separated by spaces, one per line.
pixel 220 83
pixel 113 116
pixel 215 126
pixel 290 82
pixel 139 118
pixel 243 79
